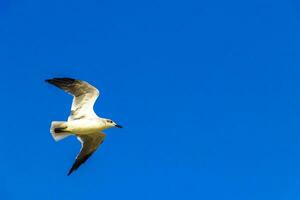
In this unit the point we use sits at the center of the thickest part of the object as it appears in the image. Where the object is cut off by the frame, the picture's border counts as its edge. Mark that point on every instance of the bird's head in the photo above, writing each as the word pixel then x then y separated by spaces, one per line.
pixel 110 123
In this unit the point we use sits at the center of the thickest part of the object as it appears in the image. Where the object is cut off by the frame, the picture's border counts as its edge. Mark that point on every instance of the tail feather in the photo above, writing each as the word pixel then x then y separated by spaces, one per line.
pixel 58 130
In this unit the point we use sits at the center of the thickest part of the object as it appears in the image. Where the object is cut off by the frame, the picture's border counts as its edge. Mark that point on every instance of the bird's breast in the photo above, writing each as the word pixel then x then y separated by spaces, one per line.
pixel 85 126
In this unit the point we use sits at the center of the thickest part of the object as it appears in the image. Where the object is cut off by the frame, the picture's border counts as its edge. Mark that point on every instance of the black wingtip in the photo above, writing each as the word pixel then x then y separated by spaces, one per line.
pixel 63 79
pixel 69 173
pixel 72 169
pixel 79 162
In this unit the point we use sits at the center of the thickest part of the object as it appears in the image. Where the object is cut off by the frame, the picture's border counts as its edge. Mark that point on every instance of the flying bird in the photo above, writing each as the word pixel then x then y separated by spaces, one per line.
pixel 82 122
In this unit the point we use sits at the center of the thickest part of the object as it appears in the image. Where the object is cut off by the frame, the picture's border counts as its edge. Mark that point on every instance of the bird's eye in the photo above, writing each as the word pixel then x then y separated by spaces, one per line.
pixel 109 121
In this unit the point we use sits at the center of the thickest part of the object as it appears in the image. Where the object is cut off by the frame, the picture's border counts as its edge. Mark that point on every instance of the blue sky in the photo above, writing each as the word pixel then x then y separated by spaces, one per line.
pixel 207 92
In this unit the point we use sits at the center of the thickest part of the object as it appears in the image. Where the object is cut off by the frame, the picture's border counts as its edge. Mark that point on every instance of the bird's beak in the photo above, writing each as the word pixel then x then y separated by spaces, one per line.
pixel 118 126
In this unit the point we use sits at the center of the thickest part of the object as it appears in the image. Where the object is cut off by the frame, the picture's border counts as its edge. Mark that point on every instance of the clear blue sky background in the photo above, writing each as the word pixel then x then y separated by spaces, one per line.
pixel 208 93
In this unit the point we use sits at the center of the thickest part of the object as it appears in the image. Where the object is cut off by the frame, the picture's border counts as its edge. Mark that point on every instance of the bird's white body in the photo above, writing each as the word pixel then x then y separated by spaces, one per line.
pixel 86 126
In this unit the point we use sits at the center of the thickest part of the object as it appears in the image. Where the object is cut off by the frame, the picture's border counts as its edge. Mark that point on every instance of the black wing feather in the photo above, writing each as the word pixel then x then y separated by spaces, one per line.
pixel 69 85
pixel 79 162
pixel 90 143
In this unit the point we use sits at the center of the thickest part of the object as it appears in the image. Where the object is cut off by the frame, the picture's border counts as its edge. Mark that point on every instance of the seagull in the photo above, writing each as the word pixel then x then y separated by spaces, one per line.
pixel 83 122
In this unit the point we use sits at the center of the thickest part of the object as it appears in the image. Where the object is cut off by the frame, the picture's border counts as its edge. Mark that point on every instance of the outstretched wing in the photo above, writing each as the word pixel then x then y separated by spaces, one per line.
pixel 84 95
pixel 89 143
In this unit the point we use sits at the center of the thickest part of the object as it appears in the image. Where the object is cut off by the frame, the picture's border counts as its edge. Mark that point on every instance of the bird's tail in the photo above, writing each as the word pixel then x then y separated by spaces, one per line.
pixel 59 130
